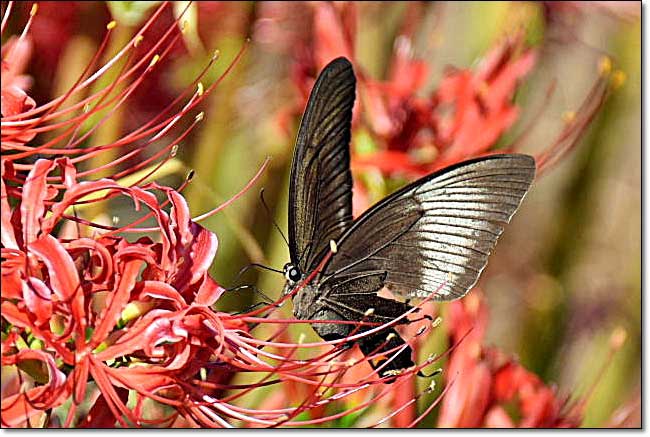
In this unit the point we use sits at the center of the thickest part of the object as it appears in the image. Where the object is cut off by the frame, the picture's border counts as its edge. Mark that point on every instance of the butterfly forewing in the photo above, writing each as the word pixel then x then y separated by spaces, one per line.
pixel 434 235
pixel 320 193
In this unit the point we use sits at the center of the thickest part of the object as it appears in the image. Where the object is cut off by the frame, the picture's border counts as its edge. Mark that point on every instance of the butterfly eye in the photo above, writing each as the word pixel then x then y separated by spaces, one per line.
pixel 292 273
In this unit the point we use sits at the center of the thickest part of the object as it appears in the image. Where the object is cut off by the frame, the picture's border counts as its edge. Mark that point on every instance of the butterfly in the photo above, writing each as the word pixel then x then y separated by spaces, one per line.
pixel 432 238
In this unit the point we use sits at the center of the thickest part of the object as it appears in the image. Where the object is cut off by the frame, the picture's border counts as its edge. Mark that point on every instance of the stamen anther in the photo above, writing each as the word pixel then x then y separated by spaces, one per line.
pixel 154 60
pixel 605 66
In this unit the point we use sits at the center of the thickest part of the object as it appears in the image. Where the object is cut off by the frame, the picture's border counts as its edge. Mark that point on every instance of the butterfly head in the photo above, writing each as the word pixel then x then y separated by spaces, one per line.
pixel 292 273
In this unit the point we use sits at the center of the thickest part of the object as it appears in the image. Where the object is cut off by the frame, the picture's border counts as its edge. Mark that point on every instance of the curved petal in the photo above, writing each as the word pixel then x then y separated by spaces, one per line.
pixel 62 271
pixel 32 206
pixel 18 408
pixel 38 299
pixel 7 235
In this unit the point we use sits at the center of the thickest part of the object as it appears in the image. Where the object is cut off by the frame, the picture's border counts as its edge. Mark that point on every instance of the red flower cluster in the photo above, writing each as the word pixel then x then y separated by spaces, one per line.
pixel 92 302
pixel 464 117
pixel 485 383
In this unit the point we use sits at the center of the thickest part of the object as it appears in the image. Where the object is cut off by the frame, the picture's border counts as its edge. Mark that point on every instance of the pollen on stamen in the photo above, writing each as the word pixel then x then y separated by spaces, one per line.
pixel 333 247
pixel 199 89
pixel 190 175
pixel 111 25
pixel 174 150
pixel 34 9
pixel 390 336
pixel 369 312
pixel 154 60
pixel 199 116
pixel 184 25
pixel 216 54
pixel 436 322
pixel 432 386
pixel 568 117
pixel 115 219
pixel 301 338
pixel 618 338
pixel 605 66
pixel 138 39
pixel 618 79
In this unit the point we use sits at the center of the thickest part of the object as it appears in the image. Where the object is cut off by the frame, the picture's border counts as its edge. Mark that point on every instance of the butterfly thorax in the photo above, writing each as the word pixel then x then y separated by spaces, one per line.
pixel 309 305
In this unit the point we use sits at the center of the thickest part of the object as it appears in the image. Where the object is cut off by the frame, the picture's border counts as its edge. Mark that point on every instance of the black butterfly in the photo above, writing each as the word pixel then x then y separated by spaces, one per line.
pixel 431 237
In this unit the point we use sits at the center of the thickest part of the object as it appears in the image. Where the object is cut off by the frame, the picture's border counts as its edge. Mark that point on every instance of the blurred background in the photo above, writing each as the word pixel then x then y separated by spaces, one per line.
pixel 567 271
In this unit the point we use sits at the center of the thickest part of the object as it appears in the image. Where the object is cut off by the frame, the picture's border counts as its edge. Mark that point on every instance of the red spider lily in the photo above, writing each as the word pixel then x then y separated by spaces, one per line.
pixel 72 296
pixel 464 117
pixel 488 384
pixel 133 315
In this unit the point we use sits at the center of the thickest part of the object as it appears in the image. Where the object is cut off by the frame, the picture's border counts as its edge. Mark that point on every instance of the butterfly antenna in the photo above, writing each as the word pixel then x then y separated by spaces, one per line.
pixel 270 216
pixel 250 266
pixel 252 287
pixel 251 308
pixel 256 290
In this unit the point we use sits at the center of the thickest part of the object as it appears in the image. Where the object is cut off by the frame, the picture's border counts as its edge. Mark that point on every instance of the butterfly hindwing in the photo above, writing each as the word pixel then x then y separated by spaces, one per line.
pixel 320 192
pixel 435 235
pixel 356 298
pixel 392 353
